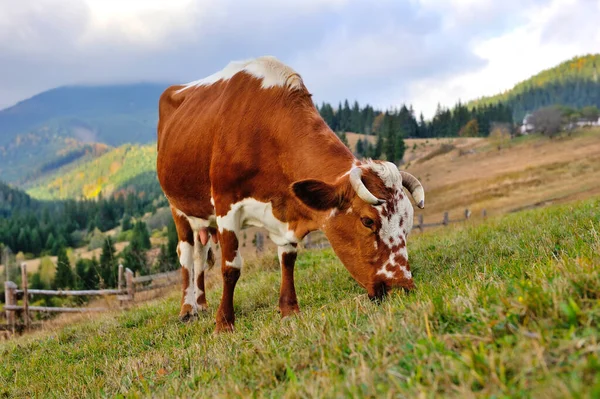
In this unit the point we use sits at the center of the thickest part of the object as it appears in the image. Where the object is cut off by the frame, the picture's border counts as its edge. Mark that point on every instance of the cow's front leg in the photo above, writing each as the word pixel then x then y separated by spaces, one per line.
pixel 288 303
pixel 231 265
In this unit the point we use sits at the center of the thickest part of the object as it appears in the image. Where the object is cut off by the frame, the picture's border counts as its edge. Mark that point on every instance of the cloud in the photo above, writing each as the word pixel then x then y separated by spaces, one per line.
pixel 385 53
pixel 547 33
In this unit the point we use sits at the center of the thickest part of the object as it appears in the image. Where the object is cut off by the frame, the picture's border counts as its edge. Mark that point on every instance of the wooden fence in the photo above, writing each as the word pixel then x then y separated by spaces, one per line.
pixel 446 220
pixel 128 285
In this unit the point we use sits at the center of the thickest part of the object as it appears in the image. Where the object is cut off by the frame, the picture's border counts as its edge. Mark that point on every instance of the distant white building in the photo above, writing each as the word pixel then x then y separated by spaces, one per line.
pixel 583 122
pixel 527 126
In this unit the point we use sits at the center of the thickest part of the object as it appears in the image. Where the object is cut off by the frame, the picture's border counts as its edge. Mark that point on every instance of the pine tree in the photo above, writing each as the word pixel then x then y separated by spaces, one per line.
pixel 163 263
pixel 360 150
pixel 108 263
pixel 64 273
pixel 126 223
pixel 134 258
pixel 400 148
pixel 36 242
pixel 344 139
pixel 390 138
pixel 172 242
pixel 92 274
pixel 141 235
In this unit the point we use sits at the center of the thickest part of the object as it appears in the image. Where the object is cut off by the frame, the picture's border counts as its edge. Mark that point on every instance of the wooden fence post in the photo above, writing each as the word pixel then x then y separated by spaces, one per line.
pixel 446 220
pixel 130 284
pixel 120 279
pixel 484 213
pixel 10 298
pixel 467 213
pixel 421 223
pixel 259 239
pixel 24 284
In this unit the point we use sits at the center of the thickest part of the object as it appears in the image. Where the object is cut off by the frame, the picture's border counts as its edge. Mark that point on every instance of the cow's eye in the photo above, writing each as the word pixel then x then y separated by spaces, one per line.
pixel 368 222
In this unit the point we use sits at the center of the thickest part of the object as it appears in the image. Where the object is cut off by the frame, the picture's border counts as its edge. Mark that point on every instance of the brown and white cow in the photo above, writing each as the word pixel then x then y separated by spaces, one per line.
pixel 247 147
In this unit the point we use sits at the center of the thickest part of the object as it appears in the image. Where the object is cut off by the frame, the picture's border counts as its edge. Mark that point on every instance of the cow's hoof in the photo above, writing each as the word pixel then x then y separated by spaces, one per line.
pixel 224 328
pixel 203 308
pixel 288 309
pixel 187 313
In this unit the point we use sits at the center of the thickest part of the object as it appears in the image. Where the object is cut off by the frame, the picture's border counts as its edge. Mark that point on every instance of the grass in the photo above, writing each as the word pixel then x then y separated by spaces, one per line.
pixel 509 308
pixel 443 149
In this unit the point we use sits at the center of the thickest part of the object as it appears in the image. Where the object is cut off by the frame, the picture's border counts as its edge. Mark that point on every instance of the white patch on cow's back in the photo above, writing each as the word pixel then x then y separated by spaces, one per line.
pixel 250 212
pixel 269 69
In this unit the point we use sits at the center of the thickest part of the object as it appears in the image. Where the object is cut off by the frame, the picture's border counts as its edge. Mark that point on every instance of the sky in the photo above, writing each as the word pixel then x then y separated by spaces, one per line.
pixel 385 53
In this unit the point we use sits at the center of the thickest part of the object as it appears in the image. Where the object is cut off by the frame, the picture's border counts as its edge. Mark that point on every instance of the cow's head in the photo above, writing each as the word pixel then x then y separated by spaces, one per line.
pixel 368 220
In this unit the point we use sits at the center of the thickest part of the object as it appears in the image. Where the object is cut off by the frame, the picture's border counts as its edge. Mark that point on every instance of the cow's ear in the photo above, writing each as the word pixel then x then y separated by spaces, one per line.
pixel 317 194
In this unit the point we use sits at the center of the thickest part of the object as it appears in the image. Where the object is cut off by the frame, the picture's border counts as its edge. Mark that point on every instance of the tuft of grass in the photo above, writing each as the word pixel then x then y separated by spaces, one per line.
pixel 509 308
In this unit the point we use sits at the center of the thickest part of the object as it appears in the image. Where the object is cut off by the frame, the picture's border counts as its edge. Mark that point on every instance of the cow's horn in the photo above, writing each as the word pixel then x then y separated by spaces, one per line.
pixel 361 190
pixel 413 185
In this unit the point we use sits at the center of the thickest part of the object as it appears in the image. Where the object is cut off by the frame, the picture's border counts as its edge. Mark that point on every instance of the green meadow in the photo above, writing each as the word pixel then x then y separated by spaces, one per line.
pixel 506 308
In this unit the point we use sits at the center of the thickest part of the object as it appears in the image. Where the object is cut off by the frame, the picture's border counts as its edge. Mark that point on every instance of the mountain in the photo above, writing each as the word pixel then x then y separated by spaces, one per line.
pixel 39 131
pixel 573 83
pixel 88 113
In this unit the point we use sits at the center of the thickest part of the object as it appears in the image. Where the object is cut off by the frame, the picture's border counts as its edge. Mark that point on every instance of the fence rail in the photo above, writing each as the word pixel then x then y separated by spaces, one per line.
pixel 128 285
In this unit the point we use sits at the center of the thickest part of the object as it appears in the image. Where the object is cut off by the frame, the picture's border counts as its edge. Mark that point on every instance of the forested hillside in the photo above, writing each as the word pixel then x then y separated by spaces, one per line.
pixel 393 126
pixel 447 122
pixel 35 227
pixel 573 83
pixel 105 174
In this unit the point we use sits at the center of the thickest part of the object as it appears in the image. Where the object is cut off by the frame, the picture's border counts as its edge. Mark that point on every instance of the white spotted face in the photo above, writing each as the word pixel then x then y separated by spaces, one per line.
pixel 371 238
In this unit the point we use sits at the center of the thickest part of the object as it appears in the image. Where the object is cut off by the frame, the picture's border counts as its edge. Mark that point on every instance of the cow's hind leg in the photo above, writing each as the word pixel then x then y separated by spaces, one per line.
pixel 288 303
pixel 185 251
pixel 203 260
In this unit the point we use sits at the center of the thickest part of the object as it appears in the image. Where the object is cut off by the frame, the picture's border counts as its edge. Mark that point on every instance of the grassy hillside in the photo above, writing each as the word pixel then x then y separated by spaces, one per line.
pixel 524 172
pixel 504 309
pixel 574 83
pixel 103 175
pixel 43 151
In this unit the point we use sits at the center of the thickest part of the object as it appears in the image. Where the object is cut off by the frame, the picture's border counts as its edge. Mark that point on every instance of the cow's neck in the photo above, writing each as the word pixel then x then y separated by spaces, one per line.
pixel 320 155
pixel 324 157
